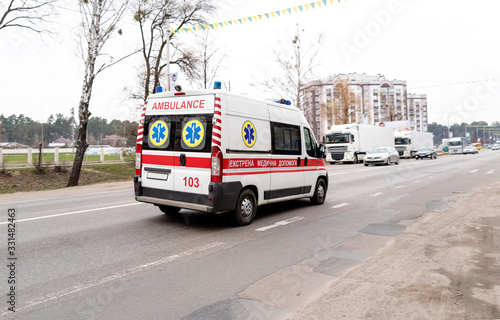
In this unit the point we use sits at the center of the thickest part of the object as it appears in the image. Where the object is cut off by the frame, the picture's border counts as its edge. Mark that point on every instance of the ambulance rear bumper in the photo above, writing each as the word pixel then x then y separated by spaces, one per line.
pixel 173 203
pixel 221 197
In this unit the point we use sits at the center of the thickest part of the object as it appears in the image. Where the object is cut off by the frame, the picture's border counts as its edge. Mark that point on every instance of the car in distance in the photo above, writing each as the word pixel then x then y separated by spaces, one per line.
pixel 426 153
pixel 495 147
pixel 470 149
pixel 381 155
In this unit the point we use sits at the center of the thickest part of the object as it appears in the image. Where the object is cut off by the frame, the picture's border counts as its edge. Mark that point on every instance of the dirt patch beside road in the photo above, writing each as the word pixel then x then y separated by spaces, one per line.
pixel 446 266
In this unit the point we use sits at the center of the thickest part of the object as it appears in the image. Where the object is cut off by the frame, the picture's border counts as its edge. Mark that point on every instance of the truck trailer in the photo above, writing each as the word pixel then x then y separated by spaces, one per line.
pixel 350 142
pixel 408 142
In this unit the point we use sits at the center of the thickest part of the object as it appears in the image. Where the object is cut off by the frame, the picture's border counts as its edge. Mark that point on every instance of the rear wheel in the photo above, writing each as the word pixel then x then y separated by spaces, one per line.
pixel 169 210
pixel 319 193
pixel 246 208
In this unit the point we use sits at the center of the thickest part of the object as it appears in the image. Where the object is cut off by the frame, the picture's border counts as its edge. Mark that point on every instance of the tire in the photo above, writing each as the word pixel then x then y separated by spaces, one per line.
pixel 388 161
pixel 319 192
pixel 416 158
pixel 397 162
pixel 366 164
pixel 246 208
pixel 168 210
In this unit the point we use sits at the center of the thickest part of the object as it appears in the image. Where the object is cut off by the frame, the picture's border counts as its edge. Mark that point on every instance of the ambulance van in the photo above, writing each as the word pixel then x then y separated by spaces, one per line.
pixel 214 151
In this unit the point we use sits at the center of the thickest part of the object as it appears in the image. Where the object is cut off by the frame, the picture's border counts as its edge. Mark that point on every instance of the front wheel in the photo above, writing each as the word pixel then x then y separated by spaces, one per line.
pixel 319 192
pixel 388 161
pixel 246 208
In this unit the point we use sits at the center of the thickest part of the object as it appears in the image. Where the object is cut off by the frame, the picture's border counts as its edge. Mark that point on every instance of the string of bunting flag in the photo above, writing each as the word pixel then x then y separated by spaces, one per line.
pixel 268 15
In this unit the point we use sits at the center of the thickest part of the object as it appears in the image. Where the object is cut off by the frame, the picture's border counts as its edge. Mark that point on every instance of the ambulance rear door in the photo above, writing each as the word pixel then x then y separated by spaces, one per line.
pixel 176 149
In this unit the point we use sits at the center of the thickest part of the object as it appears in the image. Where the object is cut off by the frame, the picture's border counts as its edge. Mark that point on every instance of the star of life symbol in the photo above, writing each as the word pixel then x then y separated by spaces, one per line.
pixel 193 133
pixel 249 134
pixel 158 133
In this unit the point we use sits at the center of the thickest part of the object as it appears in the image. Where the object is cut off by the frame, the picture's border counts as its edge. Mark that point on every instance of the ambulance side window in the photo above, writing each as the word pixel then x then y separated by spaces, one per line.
pixel 286 139
pixel 311 145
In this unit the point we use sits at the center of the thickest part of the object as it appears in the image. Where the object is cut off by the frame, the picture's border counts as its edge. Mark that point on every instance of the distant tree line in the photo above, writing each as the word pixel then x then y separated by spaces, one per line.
pixel 26 131
pixel 479 131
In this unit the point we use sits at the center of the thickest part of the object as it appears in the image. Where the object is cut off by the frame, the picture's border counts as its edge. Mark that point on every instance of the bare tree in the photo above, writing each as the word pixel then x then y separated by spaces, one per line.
pixel 296 64
pixel 156 19
pixel 99 20
pixel 26 14
pixel 210 59
pixel 345 104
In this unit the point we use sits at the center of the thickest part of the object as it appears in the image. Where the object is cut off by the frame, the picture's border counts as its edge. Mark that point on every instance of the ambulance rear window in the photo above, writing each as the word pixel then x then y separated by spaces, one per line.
pixel 191 133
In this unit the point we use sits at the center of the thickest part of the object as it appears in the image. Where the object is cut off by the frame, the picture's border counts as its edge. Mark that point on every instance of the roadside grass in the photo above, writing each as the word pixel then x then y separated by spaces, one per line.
pixel 18 180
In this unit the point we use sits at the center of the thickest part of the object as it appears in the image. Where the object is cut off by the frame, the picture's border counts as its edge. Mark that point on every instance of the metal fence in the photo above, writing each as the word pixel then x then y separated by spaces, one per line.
pixel 61 156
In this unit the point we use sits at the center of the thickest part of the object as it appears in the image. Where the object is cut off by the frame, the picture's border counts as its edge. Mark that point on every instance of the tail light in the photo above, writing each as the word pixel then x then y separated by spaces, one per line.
pixel 138 159
pixel 216 165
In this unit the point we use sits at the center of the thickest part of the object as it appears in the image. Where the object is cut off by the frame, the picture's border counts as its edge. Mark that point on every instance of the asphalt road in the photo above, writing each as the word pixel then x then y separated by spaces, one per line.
pixel 95 253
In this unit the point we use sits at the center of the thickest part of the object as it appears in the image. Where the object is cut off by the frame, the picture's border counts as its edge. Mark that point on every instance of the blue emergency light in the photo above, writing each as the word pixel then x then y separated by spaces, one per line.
pixel 159 89
pixel 283 101
pixel 217 85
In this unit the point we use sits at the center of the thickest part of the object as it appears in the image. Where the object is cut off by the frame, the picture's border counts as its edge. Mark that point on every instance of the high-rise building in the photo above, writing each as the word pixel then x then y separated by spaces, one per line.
pixel 362 98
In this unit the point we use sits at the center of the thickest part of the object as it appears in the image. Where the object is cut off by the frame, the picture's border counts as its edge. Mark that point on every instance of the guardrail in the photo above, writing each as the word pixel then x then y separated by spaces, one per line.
pixel 59 156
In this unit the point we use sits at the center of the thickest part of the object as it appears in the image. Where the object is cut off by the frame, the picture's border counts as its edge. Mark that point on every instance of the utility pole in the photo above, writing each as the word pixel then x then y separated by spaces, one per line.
pixel 168 52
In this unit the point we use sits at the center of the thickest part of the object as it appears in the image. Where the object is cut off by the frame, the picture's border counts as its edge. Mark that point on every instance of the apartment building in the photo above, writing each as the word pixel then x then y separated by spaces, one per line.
pixel 362 98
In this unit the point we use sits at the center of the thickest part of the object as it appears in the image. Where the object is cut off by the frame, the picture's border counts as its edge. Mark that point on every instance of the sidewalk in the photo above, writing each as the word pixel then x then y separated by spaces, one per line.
pixel 446 266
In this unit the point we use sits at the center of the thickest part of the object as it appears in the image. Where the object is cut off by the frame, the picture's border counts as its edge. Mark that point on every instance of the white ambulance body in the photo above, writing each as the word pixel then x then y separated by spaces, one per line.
pixel 215 151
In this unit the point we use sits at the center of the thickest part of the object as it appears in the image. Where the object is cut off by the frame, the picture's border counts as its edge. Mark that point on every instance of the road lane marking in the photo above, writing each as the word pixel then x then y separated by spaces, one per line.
pixel 490 172
pixel 340 205
pixel 473 171
pixel 280 223
pixel 119 275
pixel 376 194
pixel 400 187
pixel 75 212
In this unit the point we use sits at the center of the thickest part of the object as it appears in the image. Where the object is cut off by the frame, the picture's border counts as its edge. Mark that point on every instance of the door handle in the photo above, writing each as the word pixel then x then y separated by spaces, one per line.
pixel 298 162
pixel 182 160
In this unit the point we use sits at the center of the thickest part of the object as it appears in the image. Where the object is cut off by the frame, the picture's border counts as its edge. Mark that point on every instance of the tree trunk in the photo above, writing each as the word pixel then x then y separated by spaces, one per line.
pixel 81 145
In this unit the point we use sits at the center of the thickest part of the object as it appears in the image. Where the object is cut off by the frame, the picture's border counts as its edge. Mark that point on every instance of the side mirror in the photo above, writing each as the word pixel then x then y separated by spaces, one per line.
pixel 321 151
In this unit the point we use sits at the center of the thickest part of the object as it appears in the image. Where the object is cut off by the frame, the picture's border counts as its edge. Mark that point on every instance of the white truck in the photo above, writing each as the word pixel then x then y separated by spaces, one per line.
pixel 408 142
pixel 456 145
pixel 350 142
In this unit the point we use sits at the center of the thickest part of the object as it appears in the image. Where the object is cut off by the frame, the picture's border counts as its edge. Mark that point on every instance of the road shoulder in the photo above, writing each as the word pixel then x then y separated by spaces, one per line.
pixel 443 267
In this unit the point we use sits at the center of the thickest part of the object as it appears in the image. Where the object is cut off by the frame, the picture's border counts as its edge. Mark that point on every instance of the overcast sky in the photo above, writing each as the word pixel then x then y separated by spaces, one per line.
pixel 449 50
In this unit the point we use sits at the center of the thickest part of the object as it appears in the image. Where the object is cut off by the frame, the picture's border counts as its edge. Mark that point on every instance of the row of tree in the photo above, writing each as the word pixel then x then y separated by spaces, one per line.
pixel 478 131
pixel 26 131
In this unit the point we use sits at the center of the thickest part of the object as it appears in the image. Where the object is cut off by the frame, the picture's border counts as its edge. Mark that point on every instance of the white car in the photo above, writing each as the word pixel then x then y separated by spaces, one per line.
pixel 381 155
pixel 495 147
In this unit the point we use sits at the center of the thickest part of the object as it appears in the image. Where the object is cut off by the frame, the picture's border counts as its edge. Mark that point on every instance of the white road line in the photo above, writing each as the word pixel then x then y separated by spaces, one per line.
pixel 490 172
pixel 340 205
pixel 400 187
pixel 376 194
pixel 430 177
pixel 473 171
pixel 416 181
pixel 344 172
pixel 122 274
pixel 74 212
pixel 280 223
